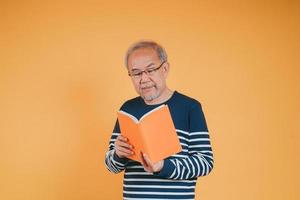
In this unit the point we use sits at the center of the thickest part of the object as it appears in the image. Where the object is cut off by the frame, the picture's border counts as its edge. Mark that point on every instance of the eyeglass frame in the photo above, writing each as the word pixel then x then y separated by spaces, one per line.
pixel 146 71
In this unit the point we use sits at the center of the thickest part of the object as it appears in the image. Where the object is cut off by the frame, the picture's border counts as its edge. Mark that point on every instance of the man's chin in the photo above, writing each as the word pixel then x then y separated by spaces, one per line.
pixel 149 97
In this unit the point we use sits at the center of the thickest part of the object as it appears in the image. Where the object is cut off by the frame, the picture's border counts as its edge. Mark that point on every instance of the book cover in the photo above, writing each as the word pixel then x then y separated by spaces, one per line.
pixel 154 134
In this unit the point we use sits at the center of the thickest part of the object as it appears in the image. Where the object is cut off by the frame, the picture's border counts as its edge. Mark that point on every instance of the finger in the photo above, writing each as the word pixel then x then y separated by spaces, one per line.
pixel 122 138
pixel 122 154
pixel 142 159
pixel 125 150
pixel 147 160
pixel 123 144
pixel 144 163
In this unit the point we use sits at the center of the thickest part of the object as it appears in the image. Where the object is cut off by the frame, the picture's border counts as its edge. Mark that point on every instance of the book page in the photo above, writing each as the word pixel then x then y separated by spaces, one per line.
pixel 130 130
pixel 159 135
pixel 129 115
pixel 154 110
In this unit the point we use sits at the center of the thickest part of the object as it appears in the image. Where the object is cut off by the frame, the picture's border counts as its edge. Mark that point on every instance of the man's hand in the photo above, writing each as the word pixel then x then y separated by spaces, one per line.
pixel 122 147
pixel 149 166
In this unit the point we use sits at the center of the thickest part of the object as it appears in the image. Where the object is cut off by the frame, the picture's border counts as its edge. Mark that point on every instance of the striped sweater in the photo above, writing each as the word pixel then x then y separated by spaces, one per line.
pixel 177 179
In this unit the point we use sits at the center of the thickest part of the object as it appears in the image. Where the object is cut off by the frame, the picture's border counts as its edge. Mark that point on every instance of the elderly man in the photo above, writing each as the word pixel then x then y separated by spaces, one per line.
pixel 174 177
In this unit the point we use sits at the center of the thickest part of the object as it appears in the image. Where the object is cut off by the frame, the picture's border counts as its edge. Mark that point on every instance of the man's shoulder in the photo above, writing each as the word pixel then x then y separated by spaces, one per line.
pixel 131 103
pixel 187 100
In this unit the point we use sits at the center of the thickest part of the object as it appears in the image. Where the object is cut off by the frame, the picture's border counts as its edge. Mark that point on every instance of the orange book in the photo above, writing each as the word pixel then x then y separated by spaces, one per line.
pixel 154 134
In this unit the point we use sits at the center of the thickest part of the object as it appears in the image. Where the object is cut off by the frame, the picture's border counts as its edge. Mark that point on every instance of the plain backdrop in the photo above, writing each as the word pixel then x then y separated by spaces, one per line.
pixel 62 80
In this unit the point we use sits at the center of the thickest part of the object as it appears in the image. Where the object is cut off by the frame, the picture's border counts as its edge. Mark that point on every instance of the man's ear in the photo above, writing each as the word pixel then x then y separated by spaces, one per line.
pixel 166 69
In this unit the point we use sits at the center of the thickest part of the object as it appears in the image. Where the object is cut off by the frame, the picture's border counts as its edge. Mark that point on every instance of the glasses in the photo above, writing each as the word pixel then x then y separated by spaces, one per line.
pixel 148 72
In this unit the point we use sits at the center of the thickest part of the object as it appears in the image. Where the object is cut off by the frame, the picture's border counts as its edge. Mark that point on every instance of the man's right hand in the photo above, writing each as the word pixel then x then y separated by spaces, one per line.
pixel 122 147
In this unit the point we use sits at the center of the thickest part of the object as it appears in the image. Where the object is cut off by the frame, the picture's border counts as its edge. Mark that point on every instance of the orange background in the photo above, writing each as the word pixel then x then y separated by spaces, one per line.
pixel 62 79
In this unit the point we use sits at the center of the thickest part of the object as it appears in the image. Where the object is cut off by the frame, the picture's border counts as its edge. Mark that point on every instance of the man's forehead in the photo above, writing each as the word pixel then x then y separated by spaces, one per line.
pixel 143 57
pixel 143 52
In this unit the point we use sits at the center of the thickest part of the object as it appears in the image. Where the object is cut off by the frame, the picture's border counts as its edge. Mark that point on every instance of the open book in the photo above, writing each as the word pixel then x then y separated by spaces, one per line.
pixel 154 134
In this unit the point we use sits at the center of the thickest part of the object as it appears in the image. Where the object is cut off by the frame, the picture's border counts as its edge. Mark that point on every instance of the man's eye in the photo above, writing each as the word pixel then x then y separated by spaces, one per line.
pixel 150 70
pixel 137 73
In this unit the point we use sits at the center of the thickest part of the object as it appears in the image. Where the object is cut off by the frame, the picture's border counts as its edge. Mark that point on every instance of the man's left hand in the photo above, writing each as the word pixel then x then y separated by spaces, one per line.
pixel 149 166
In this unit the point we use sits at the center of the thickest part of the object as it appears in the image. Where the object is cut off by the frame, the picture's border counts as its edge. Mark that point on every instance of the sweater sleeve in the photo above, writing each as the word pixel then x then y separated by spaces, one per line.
pixel 199 161
pixel 112 161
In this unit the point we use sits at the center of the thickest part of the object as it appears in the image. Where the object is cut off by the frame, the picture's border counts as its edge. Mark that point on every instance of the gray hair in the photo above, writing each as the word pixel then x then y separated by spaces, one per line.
pixel 144 44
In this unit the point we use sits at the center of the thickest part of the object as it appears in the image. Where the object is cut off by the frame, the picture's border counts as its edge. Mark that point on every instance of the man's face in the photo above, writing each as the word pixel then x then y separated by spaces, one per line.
pixel 149 86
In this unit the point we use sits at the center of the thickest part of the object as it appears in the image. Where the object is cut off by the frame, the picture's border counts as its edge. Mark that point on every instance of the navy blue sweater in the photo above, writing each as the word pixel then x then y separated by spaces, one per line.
pixel 177 179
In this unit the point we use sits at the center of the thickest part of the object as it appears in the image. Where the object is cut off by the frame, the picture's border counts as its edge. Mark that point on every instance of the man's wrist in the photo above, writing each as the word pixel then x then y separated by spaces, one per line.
pixel 160 166
pixel 119 159
pixel 166 170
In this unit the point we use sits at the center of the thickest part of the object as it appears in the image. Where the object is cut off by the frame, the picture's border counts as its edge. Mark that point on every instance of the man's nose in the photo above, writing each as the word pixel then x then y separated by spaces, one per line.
pixel 144 77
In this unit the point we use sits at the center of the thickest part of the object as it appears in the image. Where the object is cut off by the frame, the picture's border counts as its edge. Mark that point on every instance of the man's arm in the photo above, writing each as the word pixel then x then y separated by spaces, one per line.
pixel 199 161
pixel 113 162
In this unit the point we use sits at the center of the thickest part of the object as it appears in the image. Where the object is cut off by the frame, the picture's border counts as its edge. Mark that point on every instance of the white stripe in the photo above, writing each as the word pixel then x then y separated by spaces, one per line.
pixel 108 161
pixel 174 171
pixel 182 173
pixel 193 168
pixel 159 180
pixel 179 156
pixel 204 155
pixel 181 131
pixel 207 151
pixel 207 167
pixel 183 144
pixel 107 165
pixel 199 146
pixel 203 167
pixel 188 168
pixel 199 133
pixel 198 166
pixel 138 173
pixel 183 138
pixel 203 152
pixel 203 158
pixel 177 168
pixel 113 167
pixel 159 186
pixel 118 163
pixel 199 139
pixel 160 193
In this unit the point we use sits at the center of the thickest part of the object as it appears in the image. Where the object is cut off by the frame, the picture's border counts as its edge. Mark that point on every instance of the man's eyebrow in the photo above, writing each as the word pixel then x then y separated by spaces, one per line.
pixel 135 69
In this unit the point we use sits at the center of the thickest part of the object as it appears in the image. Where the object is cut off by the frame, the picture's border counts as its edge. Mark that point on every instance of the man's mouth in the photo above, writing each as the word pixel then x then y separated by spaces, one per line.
pixel 143 88
pixel 147 88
